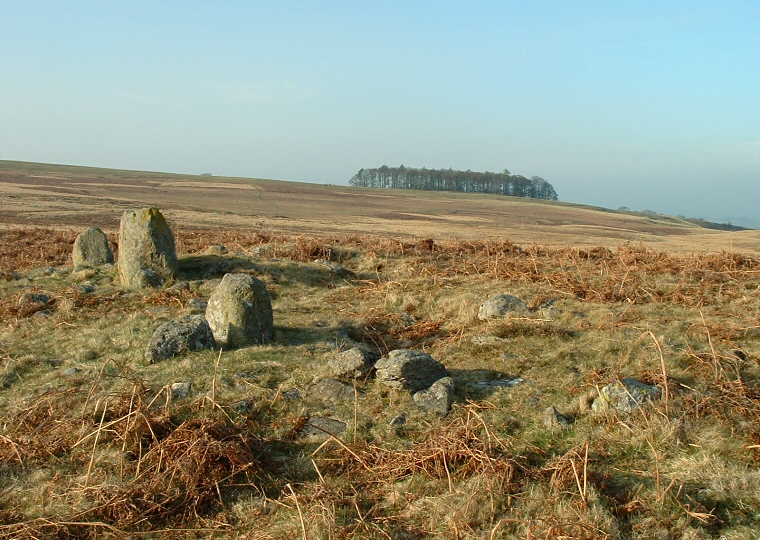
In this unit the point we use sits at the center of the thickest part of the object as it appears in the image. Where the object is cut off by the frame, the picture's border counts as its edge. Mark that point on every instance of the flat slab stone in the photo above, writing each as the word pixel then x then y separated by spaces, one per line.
pixel 405 369
pixel 319 426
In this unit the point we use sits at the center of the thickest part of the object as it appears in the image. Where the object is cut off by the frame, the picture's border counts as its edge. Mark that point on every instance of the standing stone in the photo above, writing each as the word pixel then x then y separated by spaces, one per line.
pixel 404 369
pixel 240 312
pixel 147 257
pixel 499 306
pixel 91 249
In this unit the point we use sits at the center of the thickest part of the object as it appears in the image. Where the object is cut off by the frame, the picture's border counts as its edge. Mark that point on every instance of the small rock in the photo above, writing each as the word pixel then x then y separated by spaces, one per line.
pixel 71 372
pixel 294 394
pixel 218 269
pixel 81 273
pixel 318 426
pixel 499 306
pixel 85 288
pixel 189 333
pixel 332 390
pixel 398 420
pixel 499 383
pixel 553 419
pixel 626 395
pixel 31 299
pixel 508 356
pixel 354 363
pixel 180 286
pixel 246 375
pixel 242 407
pixel 91 248
pixel 215 250
pixel 197 305
pixel 336 269
pixel 483 340
pixel 208 286
pixel 438 398
pixel 408 319
pixel 404 369
pixel 180 390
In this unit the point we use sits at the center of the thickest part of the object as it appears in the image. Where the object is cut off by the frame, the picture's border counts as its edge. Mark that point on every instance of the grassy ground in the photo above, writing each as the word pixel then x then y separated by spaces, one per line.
pixel 103 450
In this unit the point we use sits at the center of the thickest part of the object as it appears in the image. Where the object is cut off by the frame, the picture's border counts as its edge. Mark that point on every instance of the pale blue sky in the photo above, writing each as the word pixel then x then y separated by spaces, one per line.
pixel 650 105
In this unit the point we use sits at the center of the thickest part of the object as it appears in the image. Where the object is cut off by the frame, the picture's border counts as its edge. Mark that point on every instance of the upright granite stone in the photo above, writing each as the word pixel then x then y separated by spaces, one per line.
pixel 91 249
pixel 147 257
pixel 240 312
pixel 404 369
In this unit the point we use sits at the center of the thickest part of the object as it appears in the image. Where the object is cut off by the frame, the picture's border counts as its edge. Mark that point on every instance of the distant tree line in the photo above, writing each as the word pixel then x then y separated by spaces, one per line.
pixel 502 183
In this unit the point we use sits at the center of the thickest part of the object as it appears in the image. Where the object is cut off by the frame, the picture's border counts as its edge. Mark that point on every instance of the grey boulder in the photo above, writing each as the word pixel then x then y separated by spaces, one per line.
pixel 239 312
pixel 147 256
pixel 404 369
pixel 189 333
pixel 91 248
pixel 354 363
pixel 438 398
pixel 499 306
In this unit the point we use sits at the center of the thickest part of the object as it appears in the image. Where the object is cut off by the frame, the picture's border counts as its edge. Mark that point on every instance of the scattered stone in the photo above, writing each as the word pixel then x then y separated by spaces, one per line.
pixel 188 333
pixel 197 305
pixel 508 356
pixel 398 420
pixel 483 340
pixel 147 256
pixel 219 269
pixel 52 362
pixel 180 390
pixel 294 394
pixel 335 268
pixel 91 248
pixel 626 395
pixel 209 286
pixel 404 369
pixel 242 407
pixel 499 306
pixel 33 300
pixel 333 390
pixel 85 288
pixel 499 383
pixel 71 372
pixel 354 363
pixel 180 286
pixel 82 273
pixel 438 398
pixel 553 419
pixel 240 312
pixel 317 426
pixel 215 250
pixel 408 319
pixel 246 375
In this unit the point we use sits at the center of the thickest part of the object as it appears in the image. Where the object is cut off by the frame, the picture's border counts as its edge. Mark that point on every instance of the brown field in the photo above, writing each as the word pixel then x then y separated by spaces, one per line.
pixel 51 195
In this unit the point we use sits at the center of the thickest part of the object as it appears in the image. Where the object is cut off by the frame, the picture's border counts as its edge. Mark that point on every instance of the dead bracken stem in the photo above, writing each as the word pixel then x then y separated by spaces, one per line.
pixel 300 514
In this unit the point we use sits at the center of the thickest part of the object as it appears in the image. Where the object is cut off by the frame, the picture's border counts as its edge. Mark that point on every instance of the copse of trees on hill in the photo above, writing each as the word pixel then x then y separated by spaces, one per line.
pixel 502 183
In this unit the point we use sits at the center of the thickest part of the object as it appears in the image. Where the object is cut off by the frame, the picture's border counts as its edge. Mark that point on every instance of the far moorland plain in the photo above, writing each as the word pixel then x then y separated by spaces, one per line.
pixel 69 196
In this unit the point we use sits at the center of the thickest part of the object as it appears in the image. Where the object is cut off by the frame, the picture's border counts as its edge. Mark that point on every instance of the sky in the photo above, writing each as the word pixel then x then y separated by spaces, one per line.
pixel 648 105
